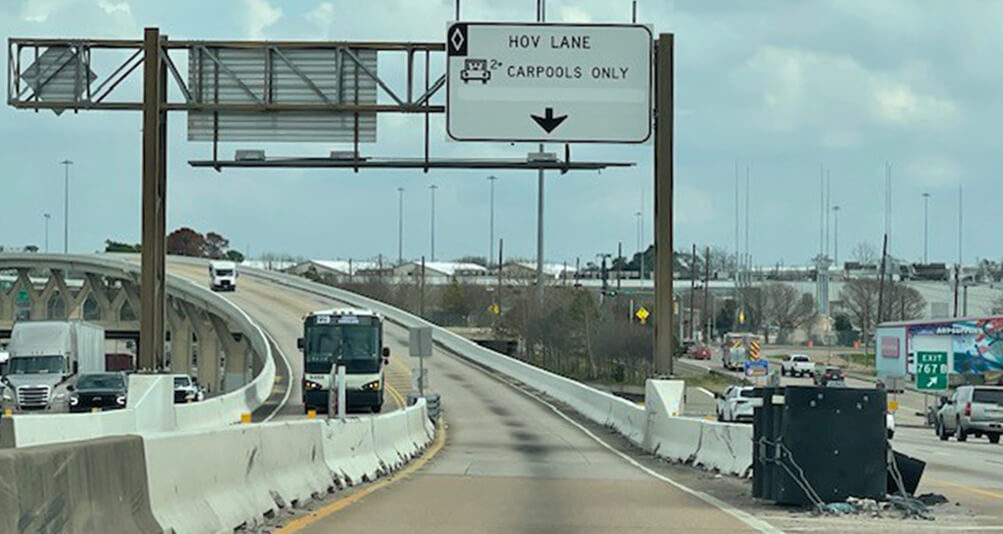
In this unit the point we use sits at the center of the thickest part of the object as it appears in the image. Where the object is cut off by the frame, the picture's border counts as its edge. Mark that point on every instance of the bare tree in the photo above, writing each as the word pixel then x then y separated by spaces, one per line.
pixel 860 300
pixel 865 253
pixel 785 308
pixel 902 303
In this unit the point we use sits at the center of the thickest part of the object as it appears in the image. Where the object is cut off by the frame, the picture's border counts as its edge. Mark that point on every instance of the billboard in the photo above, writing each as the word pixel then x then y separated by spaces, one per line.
pixel 977 344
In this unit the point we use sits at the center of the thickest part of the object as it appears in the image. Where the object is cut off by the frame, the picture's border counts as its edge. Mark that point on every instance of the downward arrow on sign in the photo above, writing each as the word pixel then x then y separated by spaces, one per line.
pixel 548 121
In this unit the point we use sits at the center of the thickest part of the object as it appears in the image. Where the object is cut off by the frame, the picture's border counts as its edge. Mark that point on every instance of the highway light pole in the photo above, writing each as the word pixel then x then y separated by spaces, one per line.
pixel 66 204
pixel 47 217
pixel 491 224
pixel 432 188
pixel 926 226
pixel 400 225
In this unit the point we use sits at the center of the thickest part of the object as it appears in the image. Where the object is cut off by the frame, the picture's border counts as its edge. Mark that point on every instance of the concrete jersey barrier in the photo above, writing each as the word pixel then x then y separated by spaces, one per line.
pixel 239 475
pixel 77 488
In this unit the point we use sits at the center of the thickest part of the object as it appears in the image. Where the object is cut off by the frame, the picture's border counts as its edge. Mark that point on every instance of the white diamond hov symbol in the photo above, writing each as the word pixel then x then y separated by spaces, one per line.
pixel 456 39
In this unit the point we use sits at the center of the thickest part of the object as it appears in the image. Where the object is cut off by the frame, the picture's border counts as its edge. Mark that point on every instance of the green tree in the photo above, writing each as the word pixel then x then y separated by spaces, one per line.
pixel 454 303
pixel 115 246
pixel 235 256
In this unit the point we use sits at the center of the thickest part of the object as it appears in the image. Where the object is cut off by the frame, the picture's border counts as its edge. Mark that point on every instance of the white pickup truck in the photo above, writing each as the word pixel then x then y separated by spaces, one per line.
pixel 797 365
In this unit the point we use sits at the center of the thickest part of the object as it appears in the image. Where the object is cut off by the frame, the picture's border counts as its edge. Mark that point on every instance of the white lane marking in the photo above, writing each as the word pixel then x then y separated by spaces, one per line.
pixel 289 378
pixel 707 392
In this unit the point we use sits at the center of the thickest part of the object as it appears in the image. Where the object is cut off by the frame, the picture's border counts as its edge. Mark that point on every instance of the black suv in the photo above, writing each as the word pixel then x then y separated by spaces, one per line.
pixel 107 391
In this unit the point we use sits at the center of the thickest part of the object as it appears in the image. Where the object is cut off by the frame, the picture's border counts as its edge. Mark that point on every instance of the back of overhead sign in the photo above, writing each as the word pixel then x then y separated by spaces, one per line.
pixel 574 83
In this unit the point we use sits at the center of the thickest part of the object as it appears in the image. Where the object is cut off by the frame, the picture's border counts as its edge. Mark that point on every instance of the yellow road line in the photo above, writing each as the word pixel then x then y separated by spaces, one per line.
pixel 396 395
pixel 302 522
pixel 986 493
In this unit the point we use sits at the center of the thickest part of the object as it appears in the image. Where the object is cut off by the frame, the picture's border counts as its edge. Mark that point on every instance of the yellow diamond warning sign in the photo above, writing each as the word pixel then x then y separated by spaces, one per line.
pixel 642 314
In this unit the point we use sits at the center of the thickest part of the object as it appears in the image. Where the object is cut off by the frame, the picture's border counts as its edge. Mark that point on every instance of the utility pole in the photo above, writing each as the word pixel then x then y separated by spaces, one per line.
pixel 400 225
pixel 926 226
pixel 66 204
pixel 491 224
pixel 881 282
pixel 421 292
pixel 432 188
pixel 619 269
pixel 708 311
pixel 693 288
pixel 961 212
pixel 47 217
pixel 663 346
pixel 640 257
pixel 835 234
pixel 957 280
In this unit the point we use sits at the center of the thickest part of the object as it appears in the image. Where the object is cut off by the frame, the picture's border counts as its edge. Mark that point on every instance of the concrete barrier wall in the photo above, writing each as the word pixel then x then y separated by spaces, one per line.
pixel 82 487
pixel 723 447
pixel 237 475
pixel 150 408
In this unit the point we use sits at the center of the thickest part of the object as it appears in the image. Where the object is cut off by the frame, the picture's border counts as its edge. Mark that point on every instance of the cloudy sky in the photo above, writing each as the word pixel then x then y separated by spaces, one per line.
pixel 780 87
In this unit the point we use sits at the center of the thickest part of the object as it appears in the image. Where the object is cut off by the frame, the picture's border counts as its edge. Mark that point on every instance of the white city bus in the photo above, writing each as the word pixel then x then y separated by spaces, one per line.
pixel 353 338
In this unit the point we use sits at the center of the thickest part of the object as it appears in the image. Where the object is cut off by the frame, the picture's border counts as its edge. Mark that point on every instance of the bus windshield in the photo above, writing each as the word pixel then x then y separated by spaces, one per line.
pixel 356 343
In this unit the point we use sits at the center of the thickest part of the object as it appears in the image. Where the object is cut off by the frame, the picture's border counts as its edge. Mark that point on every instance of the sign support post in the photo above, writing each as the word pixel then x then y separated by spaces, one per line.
pixel 663 357
pixel 152 285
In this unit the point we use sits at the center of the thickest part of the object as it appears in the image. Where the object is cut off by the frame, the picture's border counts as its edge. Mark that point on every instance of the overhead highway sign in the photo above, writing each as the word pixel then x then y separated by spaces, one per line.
pixel 576 83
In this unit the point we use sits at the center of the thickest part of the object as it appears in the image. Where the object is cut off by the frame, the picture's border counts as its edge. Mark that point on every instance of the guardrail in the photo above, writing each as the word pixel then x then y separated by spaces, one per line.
pixel 22 430
pixel 724 447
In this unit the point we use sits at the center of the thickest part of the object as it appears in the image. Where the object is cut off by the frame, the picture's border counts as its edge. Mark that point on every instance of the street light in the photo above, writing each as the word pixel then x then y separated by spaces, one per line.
pixel 926 226
pixel 491 226
pixel 400 225
pixel 432 188
pixel 835 235
pixel 66 204
pixel 47 217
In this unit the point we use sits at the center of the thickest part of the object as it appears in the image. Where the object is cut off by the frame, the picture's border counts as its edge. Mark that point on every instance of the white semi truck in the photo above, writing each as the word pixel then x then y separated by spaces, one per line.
pixel 43 355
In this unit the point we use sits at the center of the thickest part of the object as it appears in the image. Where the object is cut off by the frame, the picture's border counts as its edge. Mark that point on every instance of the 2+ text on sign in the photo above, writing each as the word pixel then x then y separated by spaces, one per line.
pixel 548 82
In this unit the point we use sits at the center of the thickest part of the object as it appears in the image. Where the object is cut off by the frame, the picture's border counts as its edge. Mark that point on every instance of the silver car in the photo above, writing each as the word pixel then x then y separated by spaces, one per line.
pixel 971 411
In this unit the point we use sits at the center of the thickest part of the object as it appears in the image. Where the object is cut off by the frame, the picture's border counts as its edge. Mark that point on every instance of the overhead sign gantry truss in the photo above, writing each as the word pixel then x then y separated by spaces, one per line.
pixel 319 91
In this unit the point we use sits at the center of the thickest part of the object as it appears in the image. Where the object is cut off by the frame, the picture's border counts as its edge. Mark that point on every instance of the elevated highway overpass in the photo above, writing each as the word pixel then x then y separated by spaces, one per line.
pixel 521 449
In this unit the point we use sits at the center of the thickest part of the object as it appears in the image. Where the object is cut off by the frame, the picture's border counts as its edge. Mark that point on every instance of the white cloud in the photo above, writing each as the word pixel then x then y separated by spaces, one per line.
pixel 322 15
pixel 112 8
pixel 258 15
pixel 574 14
pixel 834 97
pixel 933 171
pixel 40 10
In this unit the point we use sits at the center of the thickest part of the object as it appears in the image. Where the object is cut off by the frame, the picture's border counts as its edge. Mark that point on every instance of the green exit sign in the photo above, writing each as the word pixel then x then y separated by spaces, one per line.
pixel 931 371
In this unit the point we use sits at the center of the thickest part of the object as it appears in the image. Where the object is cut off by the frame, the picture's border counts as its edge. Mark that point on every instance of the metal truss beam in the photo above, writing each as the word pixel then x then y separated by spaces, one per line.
pixel 415 163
